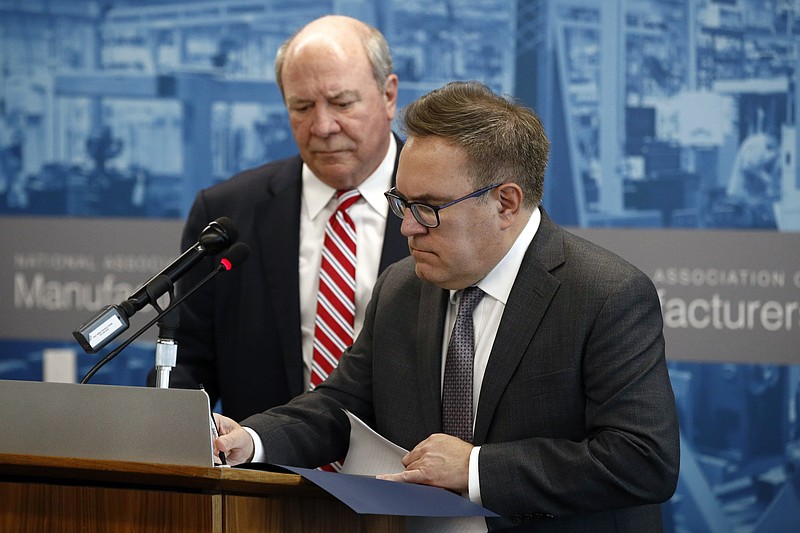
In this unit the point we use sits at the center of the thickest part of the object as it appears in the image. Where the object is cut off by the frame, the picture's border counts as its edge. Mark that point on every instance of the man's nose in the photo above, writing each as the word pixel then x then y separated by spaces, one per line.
pixel 410 226
pixel 325 122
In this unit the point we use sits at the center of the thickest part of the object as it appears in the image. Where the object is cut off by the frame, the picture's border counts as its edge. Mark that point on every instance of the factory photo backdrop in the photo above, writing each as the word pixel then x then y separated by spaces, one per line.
pixel 675 143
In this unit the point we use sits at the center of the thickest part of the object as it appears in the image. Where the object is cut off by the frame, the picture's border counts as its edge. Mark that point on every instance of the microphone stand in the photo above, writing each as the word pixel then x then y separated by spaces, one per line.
pixel 166 348
pixel 166 345
pixel 169 348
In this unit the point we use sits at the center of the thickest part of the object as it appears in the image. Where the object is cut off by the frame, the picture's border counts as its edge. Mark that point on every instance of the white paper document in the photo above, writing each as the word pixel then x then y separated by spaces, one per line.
pixel 370 454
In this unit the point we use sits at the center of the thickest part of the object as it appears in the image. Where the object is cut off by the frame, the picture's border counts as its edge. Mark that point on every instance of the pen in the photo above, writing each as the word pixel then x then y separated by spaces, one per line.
pixel 214 430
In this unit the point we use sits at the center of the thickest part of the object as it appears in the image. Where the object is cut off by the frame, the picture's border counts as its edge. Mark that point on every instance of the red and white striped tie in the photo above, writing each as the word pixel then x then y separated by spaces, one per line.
pixel 336 308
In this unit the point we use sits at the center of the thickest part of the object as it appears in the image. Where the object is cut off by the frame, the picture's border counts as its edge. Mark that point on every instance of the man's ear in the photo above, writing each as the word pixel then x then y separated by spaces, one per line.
pixel 390 90
pixel 510 203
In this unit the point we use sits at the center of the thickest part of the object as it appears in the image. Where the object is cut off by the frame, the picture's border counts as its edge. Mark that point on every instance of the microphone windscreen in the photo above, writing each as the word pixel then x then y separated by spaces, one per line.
pixel 218 236
pixel 236 255
pixel 229 227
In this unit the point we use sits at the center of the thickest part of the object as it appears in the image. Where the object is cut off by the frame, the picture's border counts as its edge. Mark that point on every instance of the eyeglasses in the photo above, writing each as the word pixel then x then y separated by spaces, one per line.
pixel 427 215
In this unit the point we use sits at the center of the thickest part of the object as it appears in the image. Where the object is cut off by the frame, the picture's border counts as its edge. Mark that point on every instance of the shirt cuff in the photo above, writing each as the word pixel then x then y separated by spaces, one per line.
pixel 259 455
pixel 474 479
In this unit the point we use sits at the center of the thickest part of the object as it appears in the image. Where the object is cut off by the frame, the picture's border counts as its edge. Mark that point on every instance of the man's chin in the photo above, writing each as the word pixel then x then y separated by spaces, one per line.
pixel 425 272
pixel 338 175
pixel 338 158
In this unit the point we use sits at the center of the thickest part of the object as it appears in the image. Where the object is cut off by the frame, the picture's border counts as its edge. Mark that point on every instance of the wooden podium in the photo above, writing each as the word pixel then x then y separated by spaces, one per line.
pixel 43 494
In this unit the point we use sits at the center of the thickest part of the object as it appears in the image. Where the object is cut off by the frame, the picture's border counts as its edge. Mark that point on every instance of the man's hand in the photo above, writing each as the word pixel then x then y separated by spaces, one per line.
pixel 234 442
pixel 440 460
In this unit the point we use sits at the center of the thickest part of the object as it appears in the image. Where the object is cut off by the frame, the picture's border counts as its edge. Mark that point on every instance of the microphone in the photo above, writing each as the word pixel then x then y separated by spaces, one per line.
pixel 104 327
pixel 236 255
pixel 215 238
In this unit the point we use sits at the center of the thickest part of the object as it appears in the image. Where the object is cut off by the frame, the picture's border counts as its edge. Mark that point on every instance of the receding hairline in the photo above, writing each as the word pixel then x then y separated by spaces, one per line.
pixel 342 32
pixel 335 21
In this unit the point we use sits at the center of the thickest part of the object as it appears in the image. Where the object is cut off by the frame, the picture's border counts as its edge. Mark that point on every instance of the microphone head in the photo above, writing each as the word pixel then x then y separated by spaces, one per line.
pixel 218 235
pixel 236 255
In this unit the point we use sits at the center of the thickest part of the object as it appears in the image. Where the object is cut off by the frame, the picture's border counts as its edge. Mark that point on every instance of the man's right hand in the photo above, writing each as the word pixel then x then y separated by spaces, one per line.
pixel 233 441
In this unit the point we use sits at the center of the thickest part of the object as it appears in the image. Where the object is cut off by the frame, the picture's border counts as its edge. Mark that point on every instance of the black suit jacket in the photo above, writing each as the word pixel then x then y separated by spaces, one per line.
pixel 576 417
pixel 240 335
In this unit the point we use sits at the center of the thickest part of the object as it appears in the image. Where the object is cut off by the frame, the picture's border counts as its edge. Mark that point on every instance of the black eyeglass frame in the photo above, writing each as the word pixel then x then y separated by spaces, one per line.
pixel 398 204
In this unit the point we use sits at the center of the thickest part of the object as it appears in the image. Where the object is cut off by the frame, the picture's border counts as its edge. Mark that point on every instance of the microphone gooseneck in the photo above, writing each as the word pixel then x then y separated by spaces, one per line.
pixel 215 238
pixel 236 255
pixel 105 326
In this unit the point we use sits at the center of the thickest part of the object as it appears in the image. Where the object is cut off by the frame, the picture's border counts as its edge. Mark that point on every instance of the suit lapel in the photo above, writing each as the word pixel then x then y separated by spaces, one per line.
pixel 530 297
pixel 279 253
pixel 430 335
pixel 280 250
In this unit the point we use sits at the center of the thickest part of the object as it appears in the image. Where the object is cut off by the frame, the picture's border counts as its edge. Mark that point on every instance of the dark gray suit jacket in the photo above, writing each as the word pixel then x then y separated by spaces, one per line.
pixel 240 334
pixel 576 416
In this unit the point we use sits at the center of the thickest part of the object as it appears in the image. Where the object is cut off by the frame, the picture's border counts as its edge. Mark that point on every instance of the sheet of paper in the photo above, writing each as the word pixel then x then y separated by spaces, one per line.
pixel 370 454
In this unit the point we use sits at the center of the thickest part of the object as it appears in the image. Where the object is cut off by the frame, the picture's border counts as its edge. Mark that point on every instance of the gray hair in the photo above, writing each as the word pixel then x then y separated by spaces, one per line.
pixel 375 46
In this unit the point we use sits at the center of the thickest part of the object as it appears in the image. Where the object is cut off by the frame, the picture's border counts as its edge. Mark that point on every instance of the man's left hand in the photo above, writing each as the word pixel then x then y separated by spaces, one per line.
pixel 440 460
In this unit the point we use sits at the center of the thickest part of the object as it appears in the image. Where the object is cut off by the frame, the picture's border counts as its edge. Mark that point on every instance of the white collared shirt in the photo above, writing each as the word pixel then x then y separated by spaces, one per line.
pixel 497 285
pixel 369 216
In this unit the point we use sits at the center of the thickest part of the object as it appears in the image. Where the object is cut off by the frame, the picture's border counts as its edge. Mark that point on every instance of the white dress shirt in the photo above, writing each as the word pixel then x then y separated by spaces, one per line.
pixel 497 285
pixel 369 216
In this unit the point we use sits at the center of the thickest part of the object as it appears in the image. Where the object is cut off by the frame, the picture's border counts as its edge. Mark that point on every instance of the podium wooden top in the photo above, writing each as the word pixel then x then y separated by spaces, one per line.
pixel 30 468
pixel 43 493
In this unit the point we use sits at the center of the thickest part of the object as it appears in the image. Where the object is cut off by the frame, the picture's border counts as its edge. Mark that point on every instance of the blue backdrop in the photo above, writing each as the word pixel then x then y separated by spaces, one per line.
pixel 664 115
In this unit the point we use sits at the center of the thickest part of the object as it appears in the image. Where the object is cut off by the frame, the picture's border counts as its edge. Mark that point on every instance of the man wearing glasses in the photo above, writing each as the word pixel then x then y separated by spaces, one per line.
pixel 523 366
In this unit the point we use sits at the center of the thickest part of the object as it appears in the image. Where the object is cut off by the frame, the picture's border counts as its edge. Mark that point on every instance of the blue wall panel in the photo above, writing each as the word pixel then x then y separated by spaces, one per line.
pixel 679 114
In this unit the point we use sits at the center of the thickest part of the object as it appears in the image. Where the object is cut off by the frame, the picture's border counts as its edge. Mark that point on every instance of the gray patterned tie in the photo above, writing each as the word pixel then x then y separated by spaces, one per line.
pixel 457 388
